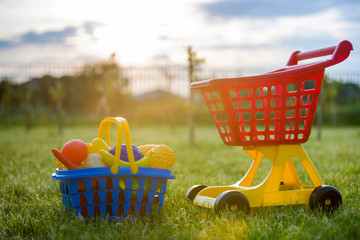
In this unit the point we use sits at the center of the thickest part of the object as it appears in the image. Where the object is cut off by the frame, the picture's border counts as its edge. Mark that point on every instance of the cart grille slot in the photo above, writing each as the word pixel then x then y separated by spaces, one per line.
pixel 276 111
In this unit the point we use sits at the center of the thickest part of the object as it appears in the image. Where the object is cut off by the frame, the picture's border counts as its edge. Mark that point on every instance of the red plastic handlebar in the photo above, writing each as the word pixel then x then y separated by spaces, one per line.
pixel 339 53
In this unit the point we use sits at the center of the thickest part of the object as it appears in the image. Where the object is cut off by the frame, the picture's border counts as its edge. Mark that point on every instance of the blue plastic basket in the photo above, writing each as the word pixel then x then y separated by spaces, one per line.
pixel 97 192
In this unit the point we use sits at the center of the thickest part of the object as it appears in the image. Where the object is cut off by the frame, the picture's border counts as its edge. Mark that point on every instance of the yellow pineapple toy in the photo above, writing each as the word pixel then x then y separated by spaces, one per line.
pixel 162 157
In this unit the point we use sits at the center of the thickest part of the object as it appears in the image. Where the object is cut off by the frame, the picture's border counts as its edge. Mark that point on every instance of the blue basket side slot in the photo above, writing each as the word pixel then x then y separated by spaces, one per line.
pixel 75 200
pixel 102 196
pixel 73 186
pixel 151 197
pixel 78 212
pixel 129 182
pixel 90 210
pixel 142 181
pixel 115 183
pixel 137 208
pixel 88 184
pixel 114 207
pixel 102 183
pixel 161 199
pixel 89 197
pixel 140 195
pixel 128 195
pixel 115 195
pixel 126 208
pixel 164 186
pixel 102 209
pixel 154 183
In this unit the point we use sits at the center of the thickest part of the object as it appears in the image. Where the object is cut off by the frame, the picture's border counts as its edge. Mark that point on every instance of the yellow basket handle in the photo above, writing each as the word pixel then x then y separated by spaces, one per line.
pixel 121 126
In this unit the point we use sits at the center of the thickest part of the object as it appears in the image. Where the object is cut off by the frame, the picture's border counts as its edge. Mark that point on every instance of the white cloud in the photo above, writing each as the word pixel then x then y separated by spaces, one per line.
pixel 138 30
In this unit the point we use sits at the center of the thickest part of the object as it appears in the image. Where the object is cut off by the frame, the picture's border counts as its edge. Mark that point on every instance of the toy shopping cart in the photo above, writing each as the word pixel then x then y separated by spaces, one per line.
pixel 270 115
pixel 114 192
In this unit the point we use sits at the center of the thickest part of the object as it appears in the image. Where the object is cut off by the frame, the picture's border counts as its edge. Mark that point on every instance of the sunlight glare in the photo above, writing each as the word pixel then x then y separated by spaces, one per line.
pixel 139 30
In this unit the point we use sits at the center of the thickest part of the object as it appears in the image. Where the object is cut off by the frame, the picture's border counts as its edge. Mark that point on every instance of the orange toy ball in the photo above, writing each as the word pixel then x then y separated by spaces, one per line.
pixel 75 150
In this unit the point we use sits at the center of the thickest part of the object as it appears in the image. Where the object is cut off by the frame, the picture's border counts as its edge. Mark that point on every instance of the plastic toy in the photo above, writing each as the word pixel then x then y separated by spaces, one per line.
pixel 96 145
pixel 75 150
pixel 111 192
pixel 161 157
pixel 94 160
pixel 137 154
pixel 144 149
pixel 108 159
pixel 64 160
pixel 270 115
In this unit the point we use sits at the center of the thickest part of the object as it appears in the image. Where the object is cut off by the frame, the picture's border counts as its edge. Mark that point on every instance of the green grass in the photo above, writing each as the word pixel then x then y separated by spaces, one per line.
pixel 31 205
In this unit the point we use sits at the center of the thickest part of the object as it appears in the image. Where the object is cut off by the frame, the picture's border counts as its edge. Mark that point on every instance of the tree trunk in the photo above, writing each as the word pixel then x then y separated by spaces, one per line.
pixel 191 119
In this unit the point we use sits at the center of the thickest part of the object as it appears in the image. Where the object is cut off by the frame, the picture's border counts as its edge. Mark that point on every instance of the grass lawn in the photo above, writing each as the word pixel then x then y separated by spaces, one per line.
pixel 31 205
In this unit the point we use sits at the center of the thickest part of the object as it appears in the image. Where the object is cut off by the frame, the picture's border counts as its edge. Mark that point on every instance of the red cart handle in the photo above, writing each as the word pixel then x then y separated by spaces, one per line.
pixel 339 53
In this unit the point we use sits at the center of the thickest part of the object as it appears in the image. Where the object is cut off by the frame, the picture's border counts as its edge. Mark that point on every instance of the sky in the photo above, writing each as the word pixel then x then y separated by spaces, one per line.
pixel 226 33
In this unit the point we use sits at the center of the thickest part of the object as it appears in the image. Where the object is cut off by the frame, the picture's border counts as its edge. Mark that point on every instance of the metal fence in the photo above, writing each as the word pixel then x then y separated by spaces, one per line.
pixel 144 79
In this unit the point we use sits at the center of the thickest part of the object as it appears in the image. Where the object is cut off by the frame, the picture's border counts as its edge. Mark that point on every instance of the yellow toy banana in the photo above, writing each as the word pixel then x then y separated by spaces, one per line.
pixel 109 159
pixel 96 145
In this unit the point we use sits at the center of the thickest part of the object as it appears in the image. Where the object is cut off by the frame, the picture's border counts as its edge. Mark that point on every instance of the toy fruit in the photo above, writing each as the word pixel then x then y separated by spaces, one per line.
pixel 162 157
pixel 75 150
pixel 94 160
pixel 96 145
pixel 144 149
pixel 64 160
pixel 108 158
pixel 60 165
pixel 124 156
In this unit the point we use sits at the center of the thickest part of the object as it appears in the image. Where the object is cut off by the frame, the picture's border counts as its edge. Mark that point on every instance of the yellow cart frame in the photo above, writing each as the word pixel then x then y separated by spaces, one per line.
pixel 282 185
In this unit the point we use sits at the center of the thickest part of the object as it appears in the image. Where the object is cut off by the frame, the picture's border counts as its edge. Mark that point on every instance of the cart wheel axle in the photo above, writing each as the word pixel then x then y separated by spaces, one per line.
pixel 233 201
pixel 326 198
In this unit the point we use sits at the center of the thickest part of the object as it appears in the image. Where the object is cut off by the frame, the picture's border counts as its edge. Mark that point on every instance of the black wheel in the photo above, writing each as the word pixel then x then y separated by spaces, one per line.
pixel 233 201
pixel 193 191
pixel 326 198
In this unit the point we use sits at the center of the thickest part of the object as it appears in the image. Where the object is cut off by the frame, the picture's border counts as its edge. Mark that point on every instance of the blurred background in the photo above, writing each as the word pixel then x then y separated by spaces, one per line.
pixel 76 62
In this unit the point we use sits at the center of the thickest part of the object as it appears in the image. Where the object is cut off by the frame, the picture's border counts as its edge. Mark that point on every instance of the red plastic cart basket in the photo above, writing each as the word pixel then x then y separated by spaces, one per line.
pixel 273 108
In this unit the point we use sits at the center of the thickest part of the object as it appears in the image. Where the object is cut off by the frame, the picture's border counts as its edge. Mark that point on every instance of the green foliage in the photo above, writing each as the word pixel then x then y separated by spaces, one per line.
pixel 97 89
pixel 31 204
pixel 100 89
pixel 194 64
pixel 348 93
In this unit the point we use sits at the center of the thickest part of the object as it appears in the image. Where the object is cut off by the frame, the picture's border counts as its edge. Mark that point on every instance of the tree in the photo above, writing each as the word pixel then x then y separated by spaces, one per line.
pixel 193 65
pixel 102 86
